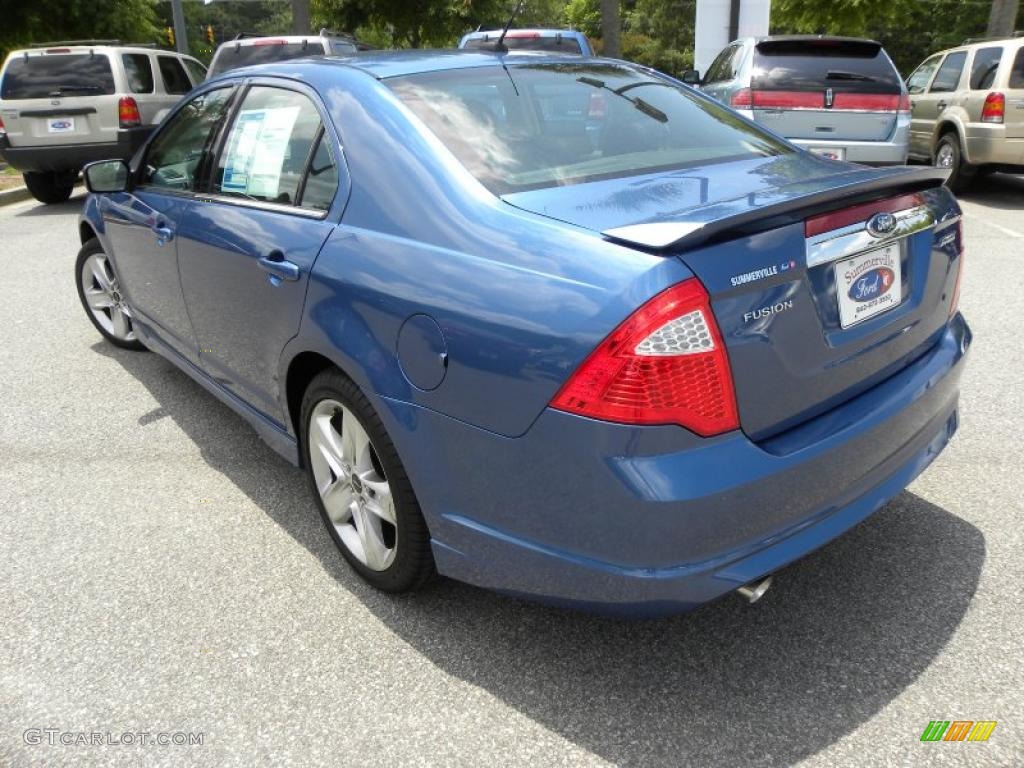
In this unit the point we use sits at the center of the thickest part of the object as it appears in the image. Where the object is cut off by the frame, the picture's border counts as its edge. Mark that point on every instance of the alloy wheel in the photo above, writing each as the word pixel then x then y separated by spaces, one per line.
pixel 352 486
pixel 104 298
pixel 944 157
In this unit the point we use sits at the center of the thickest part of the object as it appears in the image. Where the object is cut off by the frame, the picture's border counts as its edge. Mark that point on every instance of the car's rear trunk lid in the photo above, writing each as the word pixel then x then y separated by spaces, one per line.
pixel 813 307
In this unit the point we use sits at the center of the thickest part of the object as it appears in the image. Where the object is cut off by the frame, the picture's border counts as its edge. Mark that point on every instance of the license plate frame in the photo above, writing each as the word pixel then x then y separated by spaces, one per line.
pixel 60 125
pixel 869 283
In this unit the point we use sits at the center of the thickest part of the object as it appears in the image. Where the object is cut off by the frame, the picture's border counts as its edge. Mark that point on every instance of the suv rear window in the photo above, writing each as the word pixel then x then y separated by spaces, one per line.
pixel 983 69
pixel 535 126
pixel 549 43
pixel 847 66
pixel 1017 73
pixel 232 56
pixel 40 77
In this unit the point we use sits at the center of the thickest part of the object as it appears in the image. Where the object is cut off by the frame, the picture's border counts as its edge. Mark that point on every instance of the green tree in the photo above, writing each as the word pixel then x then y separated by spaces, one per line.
pixel 37 21
pixel 402 24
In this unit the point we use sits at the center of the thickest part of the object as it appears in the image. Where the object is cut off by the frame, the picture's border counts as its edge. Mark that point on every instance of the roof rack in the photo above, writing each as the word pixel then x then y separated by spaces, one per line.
pixel 969 40
pixel 331 33
pixel 78 42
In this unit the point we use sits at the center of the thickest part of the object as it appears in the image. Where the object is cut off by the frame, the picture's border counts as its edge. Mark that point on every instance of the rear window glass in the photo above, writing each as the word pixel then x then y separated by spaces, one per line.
pixel 551 43
pixel 55 75
pixel 232 57
pixel 847 67
pixel 139 71
pixel 1017 73
pixel 544 125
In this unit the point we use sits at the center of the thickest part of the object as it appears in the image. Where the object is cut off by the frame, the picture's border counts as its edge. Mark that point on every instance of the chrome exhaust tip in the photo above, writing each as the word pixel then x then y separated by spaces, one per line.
pixel 755 590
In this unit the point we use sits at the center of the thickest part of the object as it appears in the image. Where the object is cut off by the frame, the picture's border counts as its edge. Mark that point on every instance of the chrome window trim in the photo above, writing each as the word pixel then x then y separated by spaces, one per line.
pixel 307 213
pixel 854 238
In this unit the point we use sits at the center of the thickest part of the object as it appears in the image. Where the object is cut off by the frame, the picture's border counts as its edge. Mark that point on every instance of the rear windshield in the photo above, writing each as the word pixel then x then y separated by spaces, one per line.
pixel 232 57
pixel 846 67
pixel 544 125
pixel 55 75
pixel 550 43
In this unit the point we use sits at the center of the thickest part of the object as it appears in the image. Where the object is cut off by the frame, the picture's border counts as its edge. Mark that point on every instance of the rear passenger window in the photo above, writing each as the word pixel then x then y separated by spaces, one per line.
pixel 322 180
pixel 175 79
pixel 948 76
pixel 268 147
pixel 139 71
pixel 1017 73
pixel 983 70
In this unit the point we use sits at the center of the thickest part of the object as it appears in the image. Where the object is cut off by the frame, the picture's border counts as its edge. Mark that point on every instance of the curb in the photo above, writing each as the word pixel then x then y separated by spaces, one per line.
pixel 15 195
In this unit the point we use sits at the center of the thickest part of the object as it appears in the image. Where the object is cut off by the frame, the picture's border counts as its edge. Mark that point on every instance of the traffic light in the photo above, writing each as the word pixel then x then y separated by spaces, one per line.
pixel 209 35
pixel 170 36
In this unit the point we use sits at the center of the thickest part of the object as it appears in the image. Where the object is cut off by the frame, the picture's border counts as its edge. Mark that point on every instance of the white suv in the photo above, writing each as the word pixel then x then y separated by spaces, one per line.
pixel 248 49
pixel 63 105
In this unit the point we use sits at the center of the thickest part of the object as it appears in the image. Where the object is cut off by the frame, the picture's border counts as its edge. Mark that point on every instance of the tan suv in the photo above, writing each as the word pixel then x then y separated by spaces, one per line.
pixel 967 109
pixel 63 105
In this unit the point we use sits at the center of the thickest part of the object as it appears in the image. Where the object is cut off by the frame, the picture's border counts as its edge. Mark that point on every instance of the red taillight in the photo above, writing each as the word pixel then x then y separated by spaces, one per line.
pixel 994 108
pixel 955 304
pixel 58 50
pixel 128 112
pixel 270 42
pixel 742 99
pixel 904 105
pixel 3 129
pixel 666 364
pixel 788 99
pixel 826 222
pixel 870 102
pixel 513 33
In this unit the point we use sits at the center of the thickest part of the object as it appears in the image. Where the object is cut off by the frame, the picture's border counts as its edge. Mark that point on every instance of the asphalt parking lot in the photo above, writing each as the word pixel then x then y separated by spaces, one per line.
pixel 162 571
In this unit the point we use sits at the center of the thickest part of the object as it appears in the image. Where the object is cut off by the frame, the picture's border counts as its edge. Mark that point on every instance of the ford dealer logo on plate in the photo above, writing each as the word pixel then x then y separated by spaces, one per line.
pixel 872 284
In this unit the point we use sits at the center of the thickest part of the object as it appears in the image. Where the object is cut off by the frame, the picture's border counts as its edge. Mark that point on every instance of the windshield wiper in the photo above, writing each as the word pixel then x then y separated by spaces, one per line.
pixel 61 88
pixel 837 74
pixel 648 109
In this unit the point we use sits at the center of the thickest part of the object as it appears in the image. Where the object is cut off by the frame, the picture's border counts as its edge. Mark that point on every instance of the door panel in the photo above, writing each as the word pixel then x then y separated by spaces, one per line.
pixel 141 228
pixel 244 314
pixel 922 107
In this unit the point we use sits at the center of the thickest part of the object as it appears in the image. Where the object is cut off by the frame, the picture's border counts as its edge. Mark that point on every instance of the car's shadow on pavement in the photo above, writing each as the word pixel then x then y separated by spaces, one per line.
pixel 996 190
pixel 72 205
pixel 839 636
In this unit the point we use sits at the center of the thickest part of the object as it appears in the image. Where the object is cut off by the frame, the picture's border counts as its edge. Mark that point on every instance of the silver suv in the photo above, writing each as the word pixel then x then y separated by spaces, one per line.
pixel 968 109
pixel 248 49
pixel 63 105
pixel 840 97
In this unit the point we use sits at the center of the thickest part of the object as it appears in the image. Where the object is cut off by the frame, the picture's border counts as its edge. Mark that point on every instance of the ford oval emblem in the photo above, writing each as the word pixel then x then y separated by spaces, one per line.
pixel 881 224
pixel 872 284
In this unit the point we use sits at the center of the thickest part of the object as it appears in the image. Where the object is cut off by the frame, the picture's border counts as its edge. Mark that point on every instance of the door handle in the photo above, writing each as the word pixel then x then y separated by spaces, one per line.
pixel 278 267
pixel 164 234
pixel 941 105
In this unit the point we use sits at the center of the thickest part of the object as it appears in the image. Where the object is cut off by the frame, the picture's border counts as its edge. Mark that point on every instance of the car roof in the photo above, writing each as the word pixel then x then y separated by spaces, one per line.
pixel 811 38
pixel 385 64
pixel 254 40
pixel 57 49
pixel 540 31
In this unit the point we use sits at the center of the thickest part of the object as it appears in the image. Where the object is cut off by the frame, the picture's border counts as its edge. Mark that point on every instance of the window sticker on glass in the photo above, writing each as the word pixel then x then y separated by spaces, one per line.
pixel 257 151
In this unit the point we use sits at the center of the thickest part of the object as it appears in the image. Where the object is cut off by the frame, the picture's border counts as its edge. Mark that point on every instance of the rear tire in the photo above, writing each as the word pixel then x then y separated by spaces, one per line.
pixel 49 188
pixel 948 154
pixel 354 469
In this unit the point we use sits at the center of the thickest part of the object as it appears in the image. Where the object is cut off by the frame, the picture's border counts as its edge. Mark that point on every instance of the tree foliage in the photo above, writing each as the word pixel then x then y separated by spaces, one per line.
pixel 23 22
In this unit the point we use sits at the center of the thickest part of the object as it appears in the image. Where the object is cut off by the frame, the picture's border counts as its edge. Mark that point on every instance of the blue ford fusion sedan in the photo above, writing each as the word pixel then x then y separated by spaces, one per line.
pixel 559 327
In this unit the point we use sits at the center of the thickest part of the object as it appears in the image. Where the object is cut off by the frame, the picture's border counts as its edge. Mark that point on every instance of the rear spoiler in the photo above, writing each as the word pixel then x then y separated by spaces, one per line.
pixel 845 46
pixel 750 217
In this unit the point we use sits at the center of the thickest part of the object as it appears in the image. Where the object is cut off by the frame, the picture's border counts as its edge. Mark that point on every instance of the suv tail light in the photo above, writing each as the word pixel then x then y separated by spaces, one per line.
pixel 3 129
pixel 128 112
pixel 665 364
pixel 742 99
pixel 904 105
pixel 994 108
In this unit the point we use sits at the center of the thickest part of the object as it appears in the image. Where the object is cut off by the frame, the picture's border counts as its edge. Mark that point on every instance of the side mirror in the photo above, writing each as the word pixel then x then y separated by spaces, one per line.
pixel 106 176
pixel 691 77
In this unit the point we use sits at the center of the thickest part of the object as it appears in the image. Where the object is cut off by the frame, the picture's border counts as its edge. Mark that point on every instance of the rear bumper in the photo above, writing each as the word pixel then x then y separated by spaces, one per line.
pixel 653 520
pixel 987 145
pixel 865 152
pixel 66 158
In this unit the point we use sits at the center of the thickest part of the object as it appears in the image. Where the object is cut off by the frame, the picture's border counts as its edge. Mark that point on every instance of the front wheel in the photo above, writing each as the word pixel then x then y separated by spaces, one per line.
pixel 948 154
pixel 102 298
pixel 49 188
pixel 362 490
